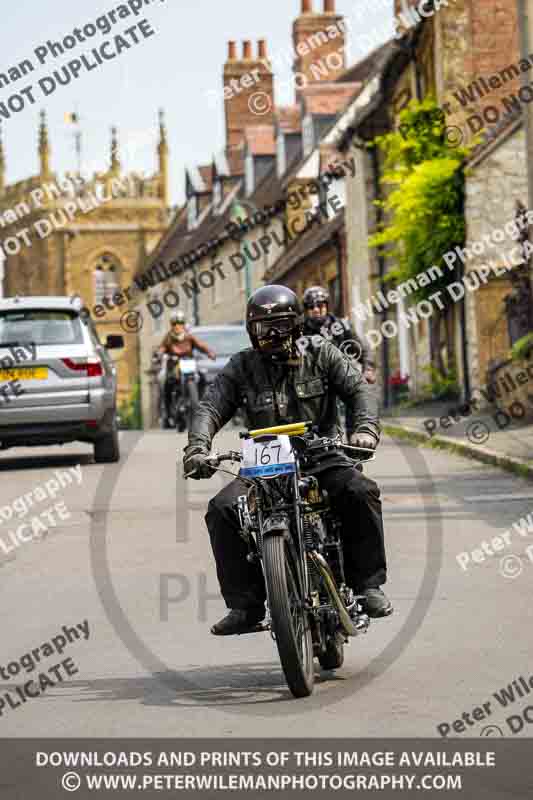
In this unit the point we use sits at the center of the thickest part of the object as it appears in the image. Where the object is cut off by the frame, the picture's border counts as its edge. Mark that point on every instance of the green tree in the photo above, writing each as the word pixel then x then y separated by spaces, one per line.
pixel 423 178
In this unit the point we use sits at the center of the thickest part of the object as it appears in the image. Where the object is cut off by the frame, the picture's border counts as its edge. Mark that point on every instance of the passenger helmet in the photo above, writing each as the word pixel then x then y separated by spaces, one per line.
pixel 315 295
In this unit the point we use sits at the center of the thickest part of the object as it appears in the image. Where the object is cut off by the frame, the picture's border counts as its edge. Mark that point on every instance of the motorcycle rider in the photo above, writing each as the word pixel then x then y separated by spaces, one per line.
pixel 279 384
pixel 180 343
pixel 339 331
pixel 319 321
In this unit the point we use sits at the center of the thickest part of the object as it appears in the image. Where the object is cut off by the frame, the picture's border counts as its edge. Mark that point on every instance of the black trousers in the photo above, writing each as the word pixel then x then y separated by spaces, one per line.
pixel 355 498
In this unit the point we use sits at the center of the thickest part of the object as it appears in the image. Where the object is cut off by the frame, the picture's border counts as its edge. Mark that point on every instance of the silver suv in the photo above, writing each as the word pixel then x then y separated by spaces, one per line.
pixel 57 382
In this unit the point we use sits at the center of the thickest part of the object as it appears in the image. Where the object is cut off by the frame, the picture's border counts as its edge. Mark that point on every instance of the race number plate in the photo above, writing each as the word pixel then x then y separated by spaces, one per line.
pixel 187 366
pixel 274 457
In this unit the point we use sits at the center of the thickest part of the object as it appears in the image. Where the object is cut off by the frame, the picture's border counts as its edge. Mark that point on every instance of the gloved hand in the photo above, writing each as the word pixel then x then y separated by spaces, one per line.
pixel 194 465
pixel 362 440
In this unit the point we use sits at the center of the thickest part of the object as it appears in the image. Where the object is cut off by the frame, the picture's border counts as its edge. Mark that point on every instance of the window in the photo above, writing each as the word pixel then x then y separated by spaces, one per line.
pixel 281 156
pixel 191 212
pixel 157 318
pixel 308 134
pixel 106 278
pixel 40 327
pixel 217 282
pixel 335 295
pixel 240 275
pixel 249 174
pixel 217 195
pixel 226 340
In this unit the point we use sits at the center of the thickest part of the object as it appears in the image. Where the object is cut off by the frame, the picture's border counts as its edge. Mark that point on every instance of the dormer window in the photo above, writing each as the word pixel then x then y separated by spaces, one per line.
pixel 217 195
pixel 308 134
pixel 281 155
pixel 192 212
pixel 249 174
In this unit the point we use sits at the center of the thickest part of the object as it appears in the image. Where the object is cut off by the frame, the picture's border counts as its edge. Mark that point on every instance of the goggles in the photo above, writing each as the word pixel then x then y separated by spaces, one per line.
pixel 267 328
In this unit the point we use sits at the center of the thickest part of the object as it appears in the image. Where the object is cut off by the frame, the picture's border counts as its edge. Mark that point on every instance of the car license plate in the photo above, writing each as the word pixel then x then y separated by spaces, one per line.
pixel 274 457
pixel 24 374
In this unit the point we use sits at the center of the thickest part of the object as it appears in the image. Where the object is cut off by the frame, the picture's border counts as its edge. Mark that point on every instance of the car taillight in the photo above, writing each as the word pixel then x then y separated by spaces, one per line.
pixel 94 368
pixel 91 366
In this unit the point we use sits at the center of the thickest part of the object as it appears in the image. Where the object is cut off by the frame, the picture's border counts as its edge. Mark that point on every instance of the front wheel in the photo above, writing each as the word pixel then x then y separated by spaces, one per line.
pixel 192 404
pixel 290 622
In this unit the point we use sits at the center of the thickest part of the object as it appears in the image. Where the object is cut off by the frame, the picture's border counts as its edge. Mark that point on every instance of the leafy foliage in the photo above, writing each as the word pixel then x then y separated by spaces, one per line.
pixel 424 206
pixel 521 349
pixel 442 387
pixel 130 411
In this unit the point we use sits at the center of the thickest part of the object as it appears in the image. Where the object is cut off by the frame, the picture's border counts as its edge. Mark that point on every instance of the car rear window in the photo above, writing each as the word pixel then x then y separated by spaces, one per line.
pixel 40 327
pixel 226 341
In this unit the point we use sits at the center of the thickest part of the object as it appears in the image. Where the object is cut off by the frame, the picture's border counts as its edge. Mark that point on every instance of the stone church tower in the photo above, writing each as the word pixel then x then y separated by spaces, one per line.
pixel 84 235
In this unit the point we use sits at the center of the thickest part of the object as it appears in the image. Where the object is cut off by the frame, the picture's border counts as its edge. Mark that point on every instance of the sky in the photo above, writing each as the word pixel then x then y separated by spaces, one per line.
pixel 172 69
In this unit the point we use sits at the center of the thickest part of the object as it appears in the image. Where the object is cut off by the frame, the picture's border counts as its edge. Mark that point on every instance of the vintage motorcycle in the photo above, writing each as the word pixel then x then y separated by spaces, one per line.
pixel 289 526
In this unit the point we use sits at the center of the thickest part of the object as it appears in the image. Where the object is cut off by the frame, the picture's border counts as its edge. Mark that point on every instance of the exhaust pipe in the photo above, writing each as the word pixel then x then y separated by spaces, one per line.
pixel 348 625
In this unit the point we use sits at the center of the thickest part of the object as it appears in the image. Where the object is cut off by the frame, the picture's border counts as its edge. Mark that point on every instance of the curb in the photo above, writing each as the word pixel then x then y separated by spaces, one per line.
pixel 476 452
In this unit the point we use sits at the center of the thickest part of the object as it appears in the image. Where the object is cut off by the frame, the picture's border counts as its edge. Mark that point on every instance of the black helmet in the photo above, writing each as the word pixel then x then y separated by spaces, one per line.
pixel 315 295
pixel 273 319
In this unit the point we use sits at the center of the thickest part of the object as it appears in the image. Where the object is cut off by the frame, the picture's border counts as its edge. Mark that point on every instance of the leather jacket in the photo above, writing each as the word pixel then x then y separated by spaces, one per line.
pixel 279 393
pixel 312 326
pixel 183 348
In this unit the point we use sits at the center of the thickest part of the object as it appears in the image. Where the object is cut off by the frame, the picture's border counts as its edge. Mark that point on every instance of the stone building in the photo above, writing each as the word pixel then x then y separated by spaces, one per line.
pixel 270 152
pixel 70 235
pixel 467 56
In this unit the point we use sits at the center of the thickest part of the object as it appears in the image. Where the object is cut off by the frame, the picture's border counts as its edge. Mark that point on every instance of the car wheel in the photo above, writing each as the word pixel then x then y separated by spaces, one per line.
pixel 107 449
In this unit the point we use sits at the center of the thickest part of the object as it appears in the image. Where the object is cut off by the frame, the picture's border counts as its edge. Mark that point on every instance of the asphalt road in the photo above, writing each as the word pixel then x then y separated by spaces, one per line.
pixel 133 561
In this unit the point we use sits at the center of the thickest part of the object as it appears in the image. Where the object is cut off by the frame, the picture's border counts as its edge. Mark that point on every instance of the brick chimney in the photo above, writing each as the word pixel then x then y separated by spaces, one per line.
pixel 248 90
pixel 319 44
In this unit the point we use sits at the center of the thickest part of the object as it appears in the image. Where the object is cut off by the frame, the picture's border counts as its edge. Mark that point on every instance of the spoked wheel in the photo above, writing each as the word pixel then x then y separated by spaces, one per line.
pixel 290 622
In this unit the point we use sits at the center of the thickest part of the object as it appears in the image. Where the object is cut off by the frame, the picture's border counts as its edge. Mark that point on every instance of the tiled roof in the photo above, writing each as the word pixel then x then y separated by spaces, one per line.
pixel 289 119
pixel 329 98
pixel 369 65
pixel 305 245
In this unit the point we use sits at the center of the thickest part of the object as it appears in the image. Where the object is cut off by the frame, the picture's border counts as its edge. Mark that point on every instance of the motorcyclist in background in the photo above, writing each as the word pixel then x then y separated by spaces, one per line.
pixel 179 343
pixel 279 384
pixel 319 321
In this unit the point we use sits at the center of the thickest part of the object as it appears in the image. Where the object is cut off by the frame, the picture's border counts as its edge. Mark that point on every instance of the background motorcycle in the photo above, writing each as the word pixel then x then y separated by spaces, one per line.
pixel 188 394
pixel 179 381
pixel 289 526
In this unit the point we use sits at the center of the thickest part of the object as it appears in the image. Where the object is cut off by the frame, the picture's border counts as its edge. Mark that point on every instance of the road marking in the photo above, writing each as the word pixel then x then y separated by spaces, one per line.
pixel 497 498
